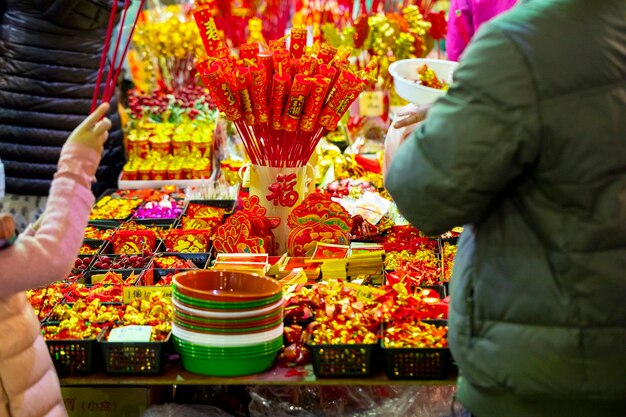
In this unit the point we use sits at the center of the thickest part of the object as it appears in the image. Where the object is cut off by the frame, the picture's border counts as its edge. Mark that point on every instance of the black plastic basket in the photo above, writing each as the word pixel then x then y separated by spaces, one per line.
pixel 95 244
pixel 160 223
pixel 440 289
pixel 228 205
pixel 343 360
pixel 199 259
pixel 418 363
pixel 132 357
pixel 71 356
pixel 113 259
pixel 105 224
pixel 454 240
pixel 414 363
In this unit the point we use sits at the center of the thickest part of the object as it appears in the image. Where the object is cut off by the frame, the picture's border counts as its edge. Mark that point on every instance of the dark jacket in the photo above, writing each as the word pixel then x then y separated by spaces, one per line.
pixel 49 59
pixel 528 149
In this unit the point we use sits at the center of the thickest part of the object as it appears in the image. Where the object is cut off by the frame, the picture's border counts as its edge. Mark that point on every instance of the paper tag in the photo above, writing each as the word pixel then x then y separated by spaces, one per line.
pixel 130 334
pixel 371 206
pixel 371 103
pixel 144 292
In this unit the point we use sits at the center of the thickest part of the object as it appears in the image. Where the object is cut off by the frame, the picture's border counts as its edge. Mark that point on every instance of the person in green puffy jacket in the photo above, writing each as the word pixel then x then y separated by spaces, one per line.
pixel 528 151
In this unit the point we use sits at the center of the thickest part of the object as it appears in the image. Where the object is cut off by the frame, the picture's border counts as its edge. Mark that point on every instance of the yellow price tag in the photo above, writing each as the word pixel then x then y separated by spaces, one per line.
pixel 144 292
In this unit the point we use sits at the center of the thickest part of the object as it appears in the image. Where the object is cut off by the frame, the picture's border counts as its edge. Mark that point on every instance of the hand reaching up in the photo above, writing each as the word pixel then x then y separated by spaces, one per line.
pixel 94 130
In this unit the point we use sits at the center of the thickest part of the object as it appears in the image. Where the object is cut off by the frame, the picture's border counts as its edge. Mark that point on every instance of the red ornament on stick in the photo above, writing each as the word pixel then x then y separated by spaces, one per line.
pixel 114 66
pixel 285 102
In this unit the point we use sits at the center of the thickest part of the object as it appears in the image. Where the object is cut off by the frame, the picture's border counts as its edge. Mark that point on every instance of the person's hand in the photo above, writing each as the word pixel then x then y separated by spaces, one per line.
pixel 7 226
pixel 94 130
pixel 411 114
pixel 395 137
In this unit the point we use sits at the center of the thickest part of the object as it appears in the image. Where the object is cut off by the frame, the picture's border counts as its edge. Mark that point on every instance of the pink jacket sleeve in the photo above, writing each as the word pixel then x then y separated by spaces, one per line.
pixel 460 28
pixel 40 257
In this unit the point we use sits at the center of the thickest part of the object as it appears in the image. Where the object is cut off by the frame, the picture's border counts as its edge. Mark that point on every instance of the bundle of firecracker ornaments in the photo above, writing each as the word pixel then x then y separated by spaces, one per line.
pixel 139 238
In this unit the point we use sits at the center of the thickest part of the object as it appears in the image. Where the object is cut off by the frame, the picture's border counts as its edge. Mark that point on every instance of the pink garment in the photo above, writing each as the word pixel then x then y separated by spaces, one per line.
pixel 40 257
pixel 28 381
pixel 464 19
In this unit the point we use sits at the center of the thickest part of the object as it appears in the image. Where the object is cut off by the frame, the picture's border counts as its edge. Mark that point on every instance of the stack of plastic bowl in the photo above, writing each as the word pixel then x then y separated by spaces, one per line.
pixel 226 323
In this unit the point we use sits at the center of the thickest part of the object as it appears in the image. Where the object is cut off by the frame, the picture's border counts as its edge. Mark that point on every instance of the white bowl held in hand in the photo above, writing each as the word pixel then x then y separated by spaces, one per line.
pixel 405 76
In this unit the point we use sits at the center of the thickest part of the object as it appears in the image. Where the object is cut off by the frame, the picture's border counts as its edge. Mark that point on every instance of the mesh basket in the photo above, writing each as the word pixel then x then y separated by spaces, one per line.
pixel 414 363
pixel 342 360
pixel 133 357
pixel 73 355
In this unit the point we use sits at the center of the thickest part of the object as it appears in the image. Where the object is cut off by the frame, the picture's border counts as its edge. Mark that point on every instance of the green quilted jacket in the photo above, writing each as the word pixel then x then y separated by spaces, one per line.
pixel 528 150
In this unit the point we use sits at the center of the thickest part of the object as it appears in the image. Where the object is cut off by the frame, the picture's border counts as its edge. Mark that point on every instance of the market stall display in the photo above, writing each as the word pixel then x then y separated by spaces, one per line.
pixel 355 291
pixel 134 260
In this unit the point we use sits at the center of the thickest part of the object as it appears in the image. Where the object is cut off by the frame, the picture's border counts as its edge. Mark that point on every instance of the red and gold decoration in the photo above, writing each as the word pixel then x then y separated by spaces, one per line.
pixel 132 242
pixel 246 231
pixel 201 217
pixel 178 240
pixel 108 208
pixel 317 219
pixel 282 102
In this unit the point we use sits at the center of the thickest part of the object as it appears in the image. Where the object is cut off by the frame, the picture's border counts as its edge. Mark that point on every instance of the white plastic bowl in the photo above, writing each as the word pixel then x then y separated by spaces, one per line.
pixel 404 73
pixel 226 340
pixel 224 315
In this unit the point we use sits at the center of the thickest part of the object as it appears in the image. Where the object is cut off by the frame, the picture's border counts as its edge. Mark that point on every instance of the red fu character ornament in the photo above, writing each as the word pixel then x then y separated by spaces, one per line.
pixel 282 192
